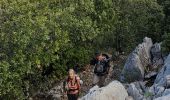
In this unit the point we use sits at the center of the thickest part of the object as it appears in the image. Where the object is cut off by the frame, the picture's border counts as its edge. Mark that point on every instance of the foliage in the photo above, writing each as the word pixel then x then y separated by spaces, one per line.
pixel 39 38
pixel 148 94
pixel 166 43
pixel 124 23
pixel 166 25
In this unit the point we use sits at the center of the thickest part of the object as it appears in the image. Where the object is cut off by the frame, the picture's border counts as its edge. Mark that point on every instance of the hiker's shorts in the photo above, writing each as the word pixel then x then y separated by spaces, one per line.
pixel 99 80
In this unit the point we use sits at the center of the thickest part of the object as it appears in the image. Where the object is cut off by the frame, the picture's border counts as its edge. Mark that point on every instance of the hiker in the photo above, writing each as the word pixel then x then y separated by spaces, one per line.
pixel 72 85
pixel 101 64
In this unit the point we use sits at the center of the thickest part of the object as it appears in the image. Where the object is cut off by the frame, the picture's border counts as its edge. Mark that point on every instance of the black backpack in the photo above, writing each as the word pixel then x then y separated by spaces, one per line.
pixel 101 67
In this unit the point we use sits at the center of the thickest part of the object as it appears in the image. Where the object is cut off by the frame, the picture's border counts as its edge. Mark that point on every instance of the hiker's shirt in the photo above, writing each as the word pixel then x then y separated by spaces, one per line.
pixel 73 85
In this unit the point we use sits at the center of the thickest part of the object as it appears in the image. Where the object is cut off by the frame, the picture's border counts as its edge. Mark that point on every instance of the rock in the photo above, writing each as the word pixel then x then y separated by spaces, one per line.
pixel 129 98
pixel 137 90
pixel 151 74
pixel 162 81
pixel 150 78
pixel 114 91
pixel 156 55
pixel 163 97
pixel 137 60
pixel 56 92
pixel 156 90
pixel 168 81
pixel 163 77
pixel 166 92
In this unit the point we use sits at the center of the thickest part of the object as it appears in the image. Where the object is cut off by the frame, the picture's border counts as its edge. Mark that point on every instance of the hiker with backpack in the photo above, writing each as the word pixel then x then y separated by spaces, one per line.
pixel 72 85
pixel 101 64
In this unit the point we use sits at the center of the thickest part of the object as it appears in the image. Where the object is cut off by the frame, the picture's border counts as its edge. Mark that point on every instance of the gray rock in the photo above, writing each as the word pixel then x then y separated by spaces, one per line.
pixel 156 90
pixel 162 81
pixel 151 74
pixel 129 98
pixel 159 90
pixel 166 92
pixel 56 92
pixel 137 60
pixel 137 90
pixel 114 91
pixel 168 81
pixel 163 77
pixel 156 55
pixel 163 97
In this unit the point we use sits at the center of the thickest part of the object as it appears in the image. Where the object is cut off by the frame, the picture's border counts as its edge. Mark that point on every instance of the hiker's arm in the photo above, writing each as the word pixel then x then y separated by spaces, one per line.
pixel 78 84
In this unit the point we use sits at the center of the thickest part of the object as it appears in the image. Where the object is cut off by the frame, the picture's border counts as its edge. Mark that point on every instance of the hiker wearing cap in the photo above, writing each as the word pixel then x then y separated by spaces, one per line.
pixel 72 85
pixel 101 64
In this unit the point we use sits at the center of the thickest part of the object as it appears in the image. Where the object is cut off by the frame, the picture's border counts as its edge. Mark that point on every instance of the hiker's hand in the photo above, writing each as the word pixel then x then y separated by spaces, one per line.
pixel 65 93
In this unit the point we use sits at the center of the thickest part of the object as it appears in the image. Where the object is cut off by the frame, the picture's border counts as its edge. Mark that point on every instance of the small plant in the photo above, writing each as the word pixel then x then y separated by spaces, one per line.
pixel 148 94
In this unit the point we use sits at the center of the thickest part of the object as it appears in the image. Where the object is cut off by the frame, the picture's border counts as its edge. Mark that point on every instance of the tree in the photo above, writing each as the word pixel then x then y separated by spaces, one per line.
pixel 166 43
pixel 39 38
pixel 30 36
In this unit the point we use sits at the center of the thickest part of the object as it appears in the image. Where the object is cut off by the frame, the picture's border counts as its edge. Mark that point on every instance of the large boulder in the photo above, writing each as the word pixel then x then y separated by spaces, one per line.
pixel 163 77
pixel 137 60
pixel 114 91
pixel 162 81
pixel 156 55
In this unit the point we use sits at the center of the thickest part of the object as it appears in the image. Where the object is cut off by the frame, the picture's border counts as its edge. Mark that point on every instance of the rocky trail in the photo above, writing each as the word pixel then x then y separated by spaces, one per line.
pixel 143 75
pixel 86 76
pixel 56 93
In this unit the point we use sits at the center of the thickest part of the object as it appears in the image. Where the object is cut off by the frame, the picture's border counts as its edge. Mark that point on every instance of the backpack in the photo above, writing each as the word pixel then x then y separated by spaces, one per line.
pixel 101 67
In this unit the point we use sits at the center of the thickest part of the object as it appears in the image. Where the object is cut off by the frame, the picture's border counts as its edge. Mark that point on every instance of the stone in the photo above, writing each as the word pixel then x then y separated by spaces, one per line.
pixel 136 90
pixel 166 92
pixel 129 98
pixel 151 74
pixel 163 97
pixel 56 92
pixel 163 76
pixel 168 81
pixel 137 61
pixel 162 81
pixel 113 91
pixel 156 90
pixel 156 55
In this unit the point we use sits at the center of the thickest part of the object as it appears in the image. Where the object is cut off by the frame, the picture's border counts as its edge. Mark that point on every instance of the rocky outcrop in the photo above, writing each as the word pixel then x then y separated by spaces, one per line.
pixel 163 77
pixel 114 91
pixel 135 69
pixel 162 82
pixel 137 60
pixel 156 55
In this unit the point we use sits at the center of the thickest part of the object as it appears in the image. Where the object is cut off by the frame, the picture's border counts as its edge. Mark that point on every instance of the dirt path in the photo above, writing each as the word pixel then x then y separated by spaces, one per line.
pixel 56 93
